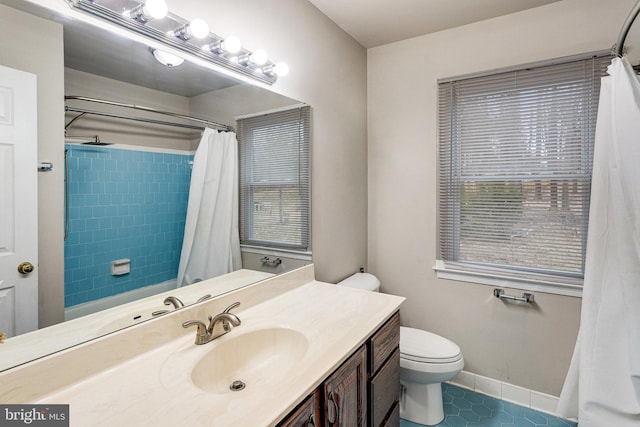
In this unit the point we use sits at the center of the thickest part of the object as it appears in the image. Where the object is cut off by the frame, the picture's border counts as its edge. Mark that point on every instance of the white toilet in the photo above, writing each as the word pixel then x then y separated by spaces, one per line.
pixel 426 360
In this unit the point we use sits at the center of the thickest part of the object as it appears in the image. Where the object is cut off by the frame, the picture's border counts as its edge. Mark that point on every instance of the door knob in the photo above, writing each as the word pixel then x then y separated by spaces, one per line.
pixel 25 267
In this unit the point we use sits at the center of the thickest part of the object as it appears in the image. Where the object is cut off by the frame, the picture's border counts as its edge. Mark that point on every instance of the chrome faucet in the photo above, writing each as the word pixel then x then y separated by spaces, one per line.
pixel 219 325
pixel 175 301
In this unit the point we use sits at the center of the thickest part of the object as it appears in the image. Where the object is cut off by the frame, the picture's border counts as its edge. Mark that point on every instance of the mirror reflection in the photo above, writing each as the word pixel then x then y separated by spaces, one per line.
pixel 135 222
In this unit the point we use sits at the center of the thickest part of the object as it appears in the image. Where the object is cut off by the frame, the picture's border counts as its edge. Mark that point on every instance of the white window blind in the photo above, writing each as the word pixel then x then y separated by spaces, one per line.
pixel 515 160
pixel 275 182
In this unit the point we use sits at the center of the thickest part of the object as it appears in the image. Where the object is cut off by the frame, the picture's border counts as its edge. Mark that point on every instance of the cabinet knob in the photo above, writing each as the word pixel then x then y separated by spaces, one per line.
pixel 312 421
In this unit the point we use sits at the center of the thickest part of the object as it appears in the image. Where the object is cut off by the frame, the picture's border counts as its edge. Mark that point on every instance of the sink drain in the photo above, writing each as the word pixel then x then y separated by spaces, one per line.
pixel 237 385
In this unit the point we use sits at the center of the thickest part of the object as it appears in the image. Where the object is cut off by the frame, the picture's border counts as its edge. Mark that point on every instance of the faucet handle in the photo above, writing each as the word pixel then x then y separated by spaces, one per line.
pixel 231 307
pixel 204 298
pixel 202 334
pixel 202 328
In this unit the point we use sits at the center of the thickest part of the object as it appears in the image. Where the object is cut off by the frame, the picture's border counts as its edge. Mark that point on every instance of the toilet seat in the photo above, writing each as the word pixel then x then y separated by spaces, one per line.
pixel 425 347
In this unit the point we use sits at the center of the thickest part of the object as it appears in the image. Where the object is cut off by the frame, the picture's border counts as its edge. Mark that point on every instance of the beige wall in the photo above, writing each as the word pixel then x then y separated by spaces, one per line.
pixel 526 346
pixel 40 52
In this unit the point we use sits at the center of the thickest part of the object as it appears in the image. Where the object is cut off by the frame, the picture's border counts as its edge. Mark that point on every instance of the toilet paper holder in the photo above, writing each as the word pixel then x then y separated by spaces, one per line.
pixel 526 297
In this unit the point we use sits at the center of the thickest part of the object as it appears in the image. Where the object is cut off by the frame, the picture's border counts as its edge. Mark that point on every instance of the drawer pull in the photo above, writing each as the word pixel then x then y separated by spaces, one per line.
pixel 332 409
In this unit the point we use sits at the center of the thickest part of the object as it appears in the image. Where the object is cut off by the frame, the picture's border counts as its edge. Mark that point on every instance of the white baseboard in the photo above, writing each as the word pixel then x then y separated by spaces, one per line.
pixel 508 392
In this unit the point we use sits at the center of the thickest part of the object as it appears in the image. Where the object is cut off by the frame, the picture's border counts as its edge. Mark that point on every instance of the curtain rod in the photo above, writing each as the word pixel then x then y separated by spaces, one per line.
pixel 142 108
pixel 118 116
pixel 536 64
pixel 625 29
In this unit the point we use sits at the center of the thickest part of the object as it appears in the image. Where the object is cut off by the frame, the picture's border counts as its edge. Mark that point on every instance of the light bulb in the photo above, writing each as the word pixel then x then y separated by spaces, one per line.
pixel 281 69
pixel 156 9
pixel 259 57
pixel 151 9
pixel 198 28
pixel 231 44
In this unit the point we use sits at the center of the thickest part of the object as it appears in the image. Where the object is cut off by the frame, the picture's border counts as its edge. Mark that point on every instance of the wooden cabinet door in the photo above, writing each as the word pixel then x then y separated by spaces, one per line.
pixel 306 415
pixel 385 390
pixel 384 374
pixel 345 393
pixel 394 417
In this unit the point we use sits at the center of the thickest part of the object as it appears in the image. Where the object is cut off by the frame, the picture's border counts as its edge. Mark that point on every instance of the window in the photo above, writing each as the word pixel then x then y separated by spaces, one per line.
pixel 515 160
pixel 275 181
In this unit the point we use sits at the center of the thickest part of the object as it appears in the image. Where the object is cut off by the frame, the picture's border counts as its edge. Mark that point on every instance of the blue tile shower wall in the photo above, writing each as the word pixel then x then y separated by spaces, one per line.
pixel 123 204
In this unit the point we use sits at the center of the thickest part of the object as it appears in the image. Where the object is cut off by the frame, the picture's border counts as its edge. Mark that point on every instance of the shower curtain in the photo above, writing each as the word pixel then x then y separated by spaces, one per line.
pixel 602 387
pixel 211 245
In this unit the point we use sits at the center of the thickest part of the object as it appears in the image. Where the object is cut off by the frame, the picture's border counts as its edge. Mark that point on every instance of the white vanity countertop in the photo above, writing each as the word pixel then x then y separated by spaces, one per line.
pixel 155 388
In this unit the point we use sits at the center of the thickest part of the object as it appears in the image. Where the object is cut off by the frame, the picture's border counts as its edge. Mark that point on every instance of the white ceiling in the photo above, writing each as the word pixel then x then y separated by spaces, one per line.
pixel 377 22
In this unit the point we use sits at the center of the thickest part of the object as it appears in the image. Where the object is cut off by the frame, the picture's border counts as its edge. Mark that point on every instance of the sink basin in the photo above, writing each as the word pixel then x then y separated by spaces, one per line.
pixel 250 359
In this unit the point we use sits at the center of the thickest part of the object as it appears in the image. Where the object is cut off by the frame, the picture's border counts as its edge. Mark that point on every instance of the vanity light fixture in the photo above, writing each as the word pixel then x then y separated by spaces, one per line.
pixel 150 9
pixel 151 19
pixel 166 58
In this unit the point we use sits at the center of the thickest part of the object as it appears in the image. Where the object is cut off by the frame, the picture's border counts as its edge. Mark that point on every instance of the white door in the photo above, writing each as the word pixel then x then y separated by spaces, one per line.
pixel 18 203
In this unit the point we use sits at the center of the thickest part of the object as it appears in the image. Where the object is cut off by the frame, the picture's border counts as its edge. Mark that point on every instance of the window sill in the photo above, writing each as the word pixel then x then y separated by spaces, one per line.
pixel 263 250
pixel 570 287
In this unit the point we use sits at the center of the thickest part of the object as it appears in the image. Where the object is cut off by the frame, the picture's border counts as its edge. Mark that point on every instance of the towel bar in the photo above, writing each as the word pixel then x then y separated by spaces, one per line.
pixel 272 262
pixel 526 297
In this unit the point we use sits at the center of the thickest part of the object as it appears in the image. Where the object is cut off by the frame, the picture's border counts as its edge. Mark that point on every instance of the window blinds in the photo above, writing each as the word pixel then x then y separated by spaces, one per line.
pixel 275 180
pixel 515 160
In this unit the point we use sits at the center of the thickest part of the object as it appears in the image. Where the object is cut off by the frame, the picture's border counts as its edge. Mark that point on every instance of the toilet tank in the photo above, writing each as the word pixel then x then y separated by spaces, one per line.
pixel 364 281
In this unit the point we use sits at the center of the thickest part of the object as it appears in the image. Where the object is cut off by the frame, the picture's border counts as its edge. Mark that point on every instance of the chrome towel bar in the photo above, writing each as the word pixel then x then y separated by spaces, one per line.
pixel 526 297
pixel 272 262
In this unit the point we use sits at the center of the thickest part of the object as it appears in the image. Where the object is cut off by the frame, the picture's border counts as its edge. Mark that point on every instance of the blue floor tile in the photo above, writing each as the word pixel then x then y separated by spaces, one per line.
pixel 465 408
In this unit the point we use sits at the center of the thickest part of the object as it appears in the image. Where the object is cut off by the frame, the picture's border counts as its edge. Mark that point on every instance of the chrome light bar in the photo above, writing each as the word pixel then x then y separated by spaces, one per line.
pixel 169 32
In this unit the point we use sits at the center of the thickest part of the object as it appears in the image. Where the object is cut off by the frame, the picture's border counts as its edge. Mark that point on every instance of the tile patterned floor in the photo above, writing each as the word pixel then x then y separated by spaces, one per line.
pixel 465 408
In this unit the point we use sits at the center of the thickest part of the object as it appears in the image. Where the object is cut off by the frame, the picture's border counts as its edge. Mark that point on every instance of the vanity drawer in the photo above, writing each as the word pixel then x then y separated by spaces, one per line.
pixel 383 343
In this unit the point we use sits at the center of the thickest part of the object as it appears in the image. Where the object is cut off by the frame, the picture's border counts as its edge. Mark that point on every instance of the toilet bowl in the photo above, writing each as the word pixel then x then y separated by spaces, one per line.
pixel 426 360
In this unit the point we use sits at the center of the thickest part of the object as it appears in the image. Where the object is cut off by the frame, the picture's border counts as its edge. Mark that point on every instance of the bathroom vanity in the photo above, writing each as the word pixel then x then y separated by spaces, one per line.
pixel 363 391
pixel 305 351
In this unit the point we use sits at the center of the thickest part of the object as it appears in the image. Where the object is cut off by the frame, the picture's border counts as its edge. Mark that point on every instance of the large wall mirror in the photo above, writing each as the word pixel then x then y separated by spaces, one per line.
pixel 146 162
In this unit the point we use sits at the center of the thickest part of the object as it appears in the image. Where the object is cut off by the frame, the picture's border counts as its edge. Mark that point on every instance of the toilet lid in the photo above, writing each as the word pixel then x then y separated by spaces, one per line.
pixel 423 346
